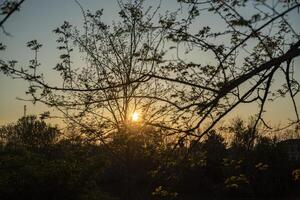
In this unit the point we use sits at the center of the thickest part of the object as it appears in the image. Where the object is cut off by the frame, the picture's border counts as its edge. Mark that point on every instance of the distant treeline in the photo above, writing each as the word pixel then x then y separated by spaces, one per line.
pixel 36 162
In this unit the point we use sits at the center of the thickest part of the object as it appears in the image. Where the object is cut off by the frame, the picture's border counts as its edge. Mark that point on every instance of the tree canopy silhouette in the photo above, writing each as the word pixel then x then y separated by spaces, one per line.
pixel 179 69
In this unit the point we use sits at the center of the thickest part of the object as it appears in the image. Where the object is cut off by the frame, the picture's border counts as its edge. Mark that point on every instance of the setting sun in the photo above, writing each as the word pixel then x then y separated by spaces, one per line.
pixel 135 116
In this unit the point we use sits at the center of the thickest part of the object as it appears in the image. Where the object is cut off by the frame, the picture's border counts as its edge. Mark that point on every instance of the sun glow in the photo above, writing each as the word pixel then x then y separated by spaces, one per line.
pixel 135 116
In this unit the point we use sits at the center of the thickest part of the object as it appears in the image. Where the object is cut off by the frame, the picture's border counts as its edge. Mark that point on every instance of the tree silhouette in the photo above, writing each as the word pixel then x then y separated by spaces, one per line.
pixel 245 57
pixel 143 62
pixel 8 7
pixel 29 132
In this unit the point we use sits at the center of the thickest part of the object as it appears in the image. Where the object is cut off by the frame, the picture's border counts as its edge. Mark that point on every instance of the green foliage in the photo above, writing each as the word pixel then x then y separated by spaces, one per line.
pixel 28 175
pixel 30 132
pixel 130 67
pixel 141 166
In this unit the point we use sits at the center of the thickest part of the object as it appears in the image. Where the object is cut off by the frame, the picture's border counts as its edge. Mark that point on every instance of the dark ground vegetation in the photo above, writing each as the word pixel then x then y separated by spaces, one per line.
pixel 246 54
pixel 36 162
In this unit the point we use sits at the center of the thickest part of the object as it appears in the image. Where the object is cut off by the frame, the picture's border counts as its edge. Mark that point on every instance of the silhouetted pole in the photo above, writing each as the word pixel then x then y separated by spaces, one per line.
pixel 24 110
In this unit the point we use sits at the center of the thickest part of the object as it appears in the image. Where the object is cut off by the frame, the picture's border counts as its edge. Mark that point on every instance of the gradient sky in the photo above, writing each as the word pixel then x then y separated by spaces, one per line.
pixel 38 18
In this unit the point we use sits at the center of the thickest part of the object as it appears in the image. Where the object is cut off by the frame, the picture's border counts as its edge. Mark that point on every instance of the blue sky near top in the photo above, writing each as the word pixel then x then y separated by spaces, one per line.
pixel 37 19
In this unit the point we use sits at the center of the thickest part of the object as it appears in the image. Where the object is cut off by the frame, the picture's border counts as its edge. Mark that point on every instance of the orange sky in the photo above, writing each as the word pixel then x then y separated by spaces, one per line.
pixel 38 18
